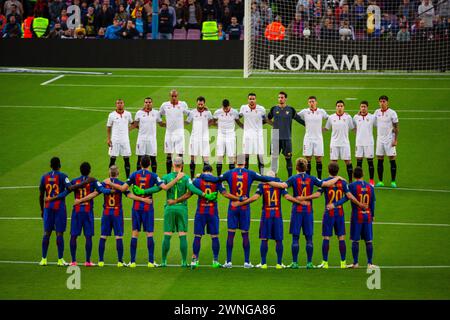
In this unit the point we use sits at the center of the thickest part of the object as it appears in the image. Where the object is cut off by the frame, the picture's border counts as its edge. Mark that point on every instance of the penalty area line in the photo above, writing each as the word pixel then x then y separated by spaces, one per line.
pixel 52 80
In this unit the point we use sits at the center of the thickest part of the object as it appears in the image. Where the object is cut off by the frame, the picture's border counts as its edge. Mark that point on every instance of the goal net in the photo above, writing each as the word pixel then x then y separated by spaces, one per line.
pixel 346 36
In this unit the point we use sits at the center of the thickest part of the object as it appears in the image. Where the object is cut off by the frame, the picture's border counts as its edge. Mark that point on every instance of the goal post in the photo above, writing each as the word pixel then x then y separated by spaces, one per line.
pixel 284 36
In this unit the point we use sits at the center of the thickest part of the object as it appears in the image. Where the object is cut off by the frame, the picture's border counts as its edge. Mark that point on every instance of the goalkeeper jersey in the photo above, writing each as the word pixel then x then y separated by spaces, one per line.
pixel 180 188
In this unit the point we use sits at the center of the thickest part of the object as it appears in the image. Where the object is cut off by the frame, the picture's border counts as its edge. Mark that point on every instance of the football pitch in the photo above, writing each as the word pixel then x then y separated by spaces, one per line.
pixel 46 115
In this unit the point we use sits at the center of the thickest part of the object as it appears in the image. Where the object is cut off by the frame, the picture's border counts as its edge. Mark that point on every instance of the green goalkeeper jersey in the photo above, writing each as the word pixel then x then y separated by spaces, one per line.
pixel 180 188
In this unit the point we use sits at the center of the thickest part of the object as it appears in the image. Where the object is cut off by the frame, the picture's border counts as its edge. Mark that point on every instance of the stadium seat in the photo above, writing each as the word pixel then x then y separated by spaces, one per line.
pixel 193 34
pixel 179 34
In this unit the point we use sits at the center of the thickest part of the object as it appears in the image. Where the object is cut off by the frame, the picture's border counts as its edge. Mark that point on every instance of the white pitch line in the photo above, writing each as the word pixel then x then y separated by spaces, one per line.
pixel 258 220
pixel 240 87
pixel 51 80
pixel 234 266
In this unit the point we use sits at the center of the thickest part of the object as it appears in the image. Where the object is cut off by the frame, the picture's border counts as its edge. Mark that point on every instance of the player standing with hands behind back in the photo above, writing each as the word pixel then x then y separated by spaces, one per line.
pixel 118 140
pixel 386 121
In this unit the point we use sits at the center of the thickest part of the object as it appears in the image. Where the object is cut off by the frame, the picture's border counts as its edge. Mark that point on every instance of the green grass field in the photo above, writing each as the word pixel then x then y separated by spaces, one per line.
pixel 67 118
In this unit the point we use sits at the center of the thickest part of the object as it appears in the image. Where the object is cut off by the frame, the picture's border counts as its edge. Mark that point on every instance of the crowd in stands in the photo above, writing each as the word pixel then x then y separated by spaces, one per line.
pixel 403 20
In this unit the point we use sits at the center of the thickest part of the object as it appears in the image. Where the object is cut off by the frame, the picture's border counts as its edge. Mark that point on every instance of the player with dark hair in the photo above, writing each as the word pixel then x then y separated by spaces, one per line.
pixel 313 139
pixel 118 139
pixel 340 124
pixel 145 120
pixel 280 117
pixel 200 118
pixel 253 140
pixel 386 121
pixel 225 119
pixel 364 122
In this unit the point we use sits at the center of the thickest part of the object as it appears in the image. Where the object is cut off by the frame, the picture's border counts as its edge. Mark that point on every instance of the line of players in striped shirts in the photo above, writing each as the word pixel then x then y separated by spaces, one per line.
pixel 55 186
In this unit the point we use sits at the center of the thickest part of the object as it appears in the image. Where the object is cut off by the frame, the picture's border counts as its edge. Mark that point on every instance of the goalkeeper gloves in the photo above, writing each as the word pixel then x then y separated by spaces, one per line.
pixel 211 196
pixel 138 191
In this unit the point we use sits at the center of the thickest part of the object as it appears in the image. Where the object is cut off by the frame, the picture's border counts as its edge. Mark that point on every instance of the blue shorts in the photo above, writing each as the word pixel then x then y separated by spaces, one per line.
pixel 302 221
pixel 329 223
pixel 271 228
pixel 360 231
pixel 55 220
pixel 110 222
pixel 211 222
pixel 82 221
pixel 239 218
pixel 141 218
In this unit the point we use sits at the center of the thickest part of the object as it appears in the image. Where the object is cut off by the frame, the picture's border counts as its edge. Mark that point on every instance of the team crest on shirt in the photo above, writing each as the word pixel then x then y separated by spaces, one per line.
pixel 278 112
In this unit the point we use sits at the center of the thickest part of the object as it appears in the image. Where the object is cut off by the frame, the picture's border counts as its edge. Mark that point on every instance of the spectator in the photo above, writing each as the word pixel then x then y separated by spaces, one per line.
pixel 359 15
pixel 89 23
pixel 234 30
pixel 3 22
pixel 55 9
pixel 441 29
pixel 275 31
pixel 426 13
pixel 84 9
pixel 220 33
pixel 407 9
pixel 345 31
pixel 344 13
pixel 112 32
pixel 444 10
pixel 122 15
pixel 42 6
pixel 165 23
pixel 100 33
pixel 210 11
pixel 403 35
pixel 266 14
pixel 14 12
pixel 12 28
pixel 80 32
pixel 303 12
pixel 9 4
pixel 419 32
pixel 295 28
pixel 128 31
pixel 226 18
pixel 57 32
pixel 179 13
pixel 307 31
pixel 105 16
pixel 238 10
pixel 140 24
pixel 193 15
pixel 327 31
pixel 172 12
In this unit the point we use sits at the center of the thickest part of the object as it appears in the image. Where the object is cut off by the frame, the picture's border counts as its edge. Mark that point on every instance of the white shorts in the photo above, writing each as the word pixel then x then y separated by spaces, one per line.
pixel 174 143
pixel 364 152
pixel 253 144
pixel 312 148
pixel 226 144
pixel 340 153
pixel 199 147
pixel 386 149
pixel 146 147
pixel 120 149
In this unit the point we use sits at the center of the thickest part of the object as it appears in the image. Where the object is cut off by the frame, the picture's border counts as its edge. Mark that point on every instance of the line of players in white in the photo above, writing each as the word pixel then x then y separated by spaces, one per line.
pixel 254 116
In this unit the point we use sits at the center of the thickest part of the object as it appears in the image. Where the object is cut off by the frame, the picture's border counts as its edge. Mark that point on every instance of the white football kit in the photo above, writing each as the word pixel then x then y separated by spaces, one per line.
pixel 226 134
pixel 174 140
pixel 364 135
pixel 340 125
pixel 120 140
pixel 146 142
pixel 253 140
pixel 313 139
pixel 199 141
pixel 384 121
